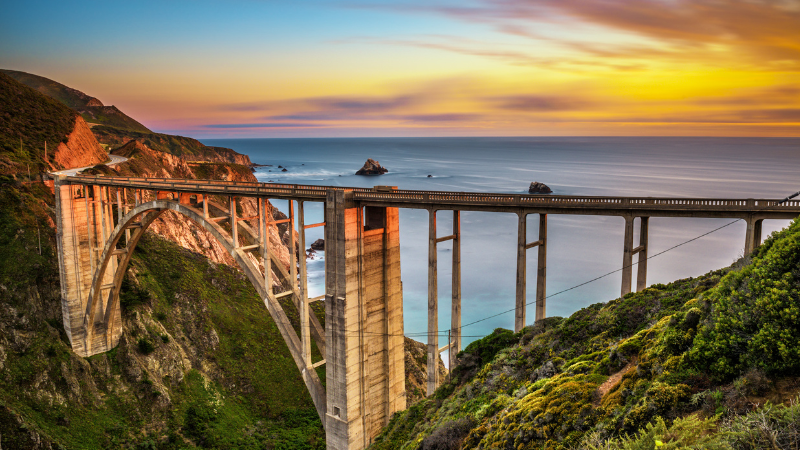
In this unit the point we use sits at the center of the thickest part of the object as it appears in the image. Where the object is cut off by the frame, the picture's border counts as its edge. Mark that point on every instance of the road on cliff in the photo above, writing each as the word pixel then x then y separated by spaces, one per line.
pixel 114 159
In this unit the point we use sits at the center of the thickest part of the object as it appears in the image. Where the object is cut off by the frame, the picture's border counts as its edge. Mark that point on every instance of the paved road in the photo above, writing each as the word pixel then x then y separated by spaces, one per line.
pixel 115 159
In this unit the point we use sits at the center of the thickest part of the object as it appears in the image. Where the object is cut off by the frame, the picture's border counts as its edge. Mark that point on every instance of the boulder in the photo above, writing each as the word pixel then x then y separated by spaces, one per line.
pixel 539 188
pixel 318 245
pixel 372 167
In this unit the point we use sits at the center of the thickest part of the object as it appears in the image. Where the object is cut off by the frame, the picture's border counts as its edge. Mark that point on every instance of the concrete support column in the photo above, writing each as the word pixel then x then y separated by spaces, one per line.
pixel 627 257
pixel 522 243
pixel 292 251
pixel 541 271
pixel 234 223
pixel 305 326
pixel 433 306
pixel 757 233
pixel 364 352
pixel 752 237
pixel 455 312
pixel 266 257
pixel 641 275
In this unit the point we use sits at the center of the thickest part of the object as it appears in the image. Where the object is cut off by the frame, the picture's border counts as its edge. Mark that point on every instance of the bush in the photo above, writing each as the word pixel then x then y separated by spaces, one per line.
pixel 449 436
pixel 773 427
pixel 686 433
pixel 145 346
pixel 131 295
pixel 756 315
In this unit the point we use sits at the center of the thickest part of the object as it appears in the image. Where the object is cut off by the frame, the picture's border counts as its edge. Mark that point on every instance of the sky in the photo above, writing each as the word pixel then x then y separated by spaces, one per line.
pixel 248 68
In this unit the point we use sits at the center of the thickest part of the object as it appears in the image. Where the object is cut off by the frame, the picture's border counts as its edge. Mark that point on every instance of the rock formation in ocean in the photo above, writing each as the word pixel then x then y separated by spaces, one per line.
pixel 539 188
pixel 318 245
pixel 372 167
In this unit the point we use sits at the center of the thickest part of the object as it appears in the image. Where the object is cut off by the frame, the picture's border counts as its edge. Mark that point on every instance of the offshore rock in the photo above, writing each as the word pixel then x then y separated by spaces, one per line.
pixel 372 167
pixel 318 245
pixel 539 188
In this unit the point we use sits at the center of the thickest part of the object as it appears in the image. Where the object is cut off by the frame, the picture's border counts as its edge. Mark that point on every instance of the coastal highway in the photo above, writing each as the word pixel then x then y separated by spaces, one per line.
pixel 114 159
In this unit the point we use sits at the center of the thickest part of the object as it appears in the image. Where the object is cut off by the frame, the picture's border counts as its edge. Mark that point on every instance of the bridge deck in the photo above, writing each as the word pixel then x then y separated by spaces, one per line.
pixel 468 201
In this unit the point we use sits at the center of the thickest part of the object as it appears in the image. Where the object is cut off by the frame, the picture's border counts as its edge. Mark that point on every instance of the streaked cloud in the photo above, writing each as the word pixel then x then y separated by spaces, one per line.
pixel 259 125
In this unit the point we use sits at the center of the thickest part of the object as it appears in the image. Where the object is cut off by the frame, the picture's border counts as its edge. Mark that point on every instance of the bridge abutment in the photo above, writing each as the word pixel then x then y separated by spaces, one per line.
pixel 83 224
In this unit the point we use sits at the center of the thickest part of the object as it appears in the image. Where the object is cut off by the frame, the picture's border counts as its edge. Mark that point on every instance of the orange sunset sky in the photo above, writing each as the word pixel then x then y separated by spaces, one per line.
pixel 247 68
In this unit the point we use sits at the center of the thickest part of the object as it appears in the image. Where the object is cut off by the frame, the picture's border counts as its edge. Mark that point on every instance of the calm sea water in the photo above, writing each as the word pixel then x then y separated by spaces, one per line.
pixel 580 247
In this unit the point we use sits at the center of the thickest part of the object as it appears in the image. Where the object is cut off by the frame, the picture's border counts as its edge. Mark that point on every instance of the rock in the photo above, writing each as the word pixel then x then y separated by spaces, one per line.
pixel 318 245
pixel 372 167
pixel 430 176
pixel 280 167
pixel 539 188
pixel 284 170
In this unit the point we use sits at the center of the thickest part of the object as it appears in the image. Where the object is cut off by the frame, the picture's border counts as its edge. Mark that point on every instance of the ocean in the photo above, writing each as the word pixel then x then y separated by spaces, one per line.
pixel 580 248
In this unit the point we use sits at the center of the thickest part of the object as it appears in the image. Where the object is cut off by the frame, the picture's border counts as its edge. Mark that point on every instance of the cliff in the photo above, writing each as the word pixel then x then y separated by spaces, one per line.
pixel 28 120
pixel 187 148
pixel 81 148
pixel 146 162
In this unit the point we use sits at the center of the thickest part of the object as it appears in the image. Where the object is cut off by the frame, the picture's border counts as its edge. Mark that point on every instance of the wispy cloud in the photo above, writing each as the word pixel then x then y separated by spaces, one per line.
pixel 259 125
pixel 760 33
pixel 541 103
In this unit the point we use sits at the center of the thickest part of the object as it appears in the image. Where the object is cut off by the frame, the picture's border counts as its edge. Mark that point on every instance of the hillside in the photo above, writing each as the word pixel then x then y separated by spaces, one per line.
pixel 90 108
pixel 114 128
pixel 200 363
pixel 185 147
pixel 28 120
pixel 706 362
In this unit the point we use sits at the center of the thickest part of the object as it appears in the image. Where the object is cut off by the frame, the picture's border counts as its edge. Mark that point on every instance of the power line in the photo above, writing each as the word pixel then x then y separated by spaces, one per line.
pixel 441 333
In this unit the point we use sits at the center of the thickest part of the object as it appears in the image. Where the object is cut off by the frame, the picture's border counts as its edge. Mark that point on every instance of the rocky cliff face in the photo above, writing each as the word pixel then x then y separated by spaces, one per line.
pixel 81 148
pixel 144 161
pixel 417 370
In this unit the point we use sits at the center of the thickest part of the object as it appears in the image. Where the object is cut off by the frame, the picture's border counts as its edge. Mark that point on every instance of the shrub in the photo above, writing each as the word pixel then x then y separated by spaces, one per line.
pixel 145 346
pixel 756 315
pixel 773 427
pixel 449 436
pixel 687 433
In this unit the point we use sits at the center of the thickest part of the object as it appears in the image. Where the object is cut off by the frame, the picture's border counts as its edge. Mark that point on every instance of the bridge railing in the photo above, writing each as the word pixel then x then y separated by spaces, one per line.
pixel 434 198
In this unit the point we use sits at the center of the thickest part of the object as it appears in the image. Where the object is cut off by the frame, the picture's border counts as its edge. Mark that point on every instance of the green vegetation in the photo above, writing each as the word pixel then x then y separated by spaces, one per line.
pixel 187 148
pixel 28 120
pixel 89 107
pixel 674 366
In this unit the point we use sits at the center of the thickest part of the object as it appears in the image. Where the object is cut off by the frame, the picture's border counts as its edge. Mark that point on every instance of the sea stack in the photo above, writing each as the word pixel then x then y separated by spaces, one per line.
pixel 372 167
pixel 539 188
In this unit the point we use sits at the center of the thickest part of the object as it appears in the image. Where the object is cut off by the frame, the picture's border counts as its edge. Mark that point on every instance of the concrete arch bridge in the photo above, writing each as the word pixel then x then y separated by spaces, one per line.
pixel 101 220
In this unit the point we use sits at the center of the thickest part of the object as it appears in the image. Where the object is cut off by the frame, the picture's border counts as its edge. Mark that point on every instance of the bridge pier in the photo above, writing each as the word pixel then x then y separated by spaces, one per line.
pixel 541 271
pixel 81 228
pixel 364 321
pixel 752 237
pixel 453 345
pixel 629 251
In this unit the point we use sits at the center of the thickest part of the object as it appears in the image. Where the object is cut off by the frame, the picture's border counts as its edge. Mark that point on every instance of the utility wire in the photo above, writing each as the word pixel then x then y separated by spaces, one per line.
pixel 441 333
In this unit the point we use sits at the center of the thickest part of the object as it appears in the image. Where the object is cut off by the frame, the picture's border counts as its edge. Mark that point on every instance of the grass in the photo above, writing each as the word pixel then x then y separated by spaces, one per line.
pixel 29 119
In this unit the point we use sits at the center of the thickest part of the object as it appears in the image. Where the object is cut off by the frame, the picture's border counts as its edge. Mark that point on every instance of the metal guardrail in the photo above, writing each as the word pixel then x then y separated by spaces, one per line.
pixel 400 197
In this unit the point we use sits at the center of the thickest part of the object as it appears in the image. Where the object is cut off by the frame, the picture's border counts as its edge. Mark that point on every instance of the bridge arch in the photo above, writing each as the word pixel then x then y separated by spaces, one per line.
pixel 136 222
